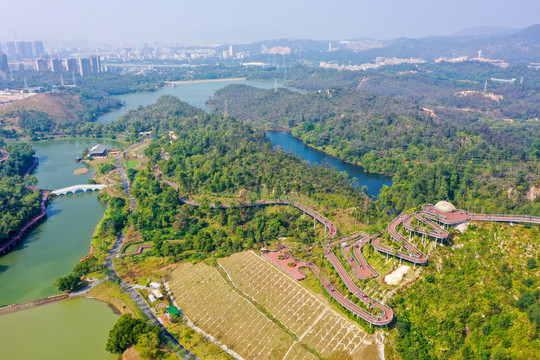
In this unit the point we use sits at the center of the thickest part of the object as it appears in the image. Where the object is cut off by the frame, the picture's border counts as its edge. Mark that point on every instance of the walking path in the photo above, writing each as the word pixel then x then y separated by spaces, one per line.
pixel 425 225
pixel 332 229
pixel 133 294
pixel 292 266
pixel 19 307
pixel 356 259
pixel 460 216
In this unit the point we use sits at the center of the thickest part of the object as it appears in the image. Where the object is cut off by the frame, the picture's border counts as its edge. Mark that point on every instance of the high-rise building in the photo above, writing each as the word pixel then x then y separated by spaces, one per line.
pixel 85 68
pixel 29 51
pixel 4 67
pixel 231 51
pixel 21 49
pixel 95 64
pixel 71 65
pixel 41 65
pixel 24 49
pixel 38 48
pixel 56 65
pixel 11 50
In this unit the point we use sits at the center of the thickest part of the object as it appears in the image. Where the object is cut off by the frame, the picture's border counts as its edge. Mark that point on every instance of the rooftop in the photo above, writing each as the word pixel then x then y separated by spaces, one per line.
pixel 98 149
pixel 173 311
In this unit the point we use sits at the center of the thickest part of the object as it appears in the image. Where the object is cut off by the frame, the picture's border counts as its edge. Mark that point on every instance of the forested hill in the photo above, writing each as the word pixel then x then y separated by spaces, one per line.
pixel 17 203
pixel 20 158
pixel 212 154
pixel 68 112
pixel 357 126
pixel 216 159
pixel 474 159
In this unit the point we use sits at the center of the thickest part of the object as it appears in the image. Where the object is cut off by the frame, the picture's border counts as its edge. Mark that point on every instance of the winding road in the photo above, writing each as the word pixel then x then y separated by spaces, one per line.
pixel 133 294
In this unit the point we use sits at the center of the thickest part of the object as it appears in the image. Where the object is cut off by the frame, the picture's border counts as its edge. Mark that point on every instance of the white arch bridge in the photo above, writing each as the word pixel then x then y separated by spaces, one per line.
pixel 78 188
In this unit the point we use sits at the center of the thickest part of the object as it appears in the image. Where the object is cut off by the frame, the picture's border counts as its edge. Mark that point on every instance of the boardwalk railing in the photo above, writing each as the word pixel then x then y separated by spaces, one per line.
pixel 27 305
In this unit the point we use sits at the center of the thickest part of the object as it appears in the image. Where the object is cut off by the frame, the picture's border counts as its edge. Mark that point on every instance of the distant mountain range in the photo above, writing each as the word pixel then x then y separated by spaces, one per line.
pixel 512 45
pixel 486 31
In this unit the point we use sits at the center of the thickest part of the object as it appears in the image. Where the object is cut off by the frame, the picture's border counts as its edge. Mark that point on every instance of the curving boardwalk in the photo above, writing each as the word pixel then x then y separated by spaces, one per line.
pixel 353 254
pixel 428 218
pixel 283 261
pixel 332 229
pixel 461 216
pixel 433 230
pixel 386 315
pixel 413 255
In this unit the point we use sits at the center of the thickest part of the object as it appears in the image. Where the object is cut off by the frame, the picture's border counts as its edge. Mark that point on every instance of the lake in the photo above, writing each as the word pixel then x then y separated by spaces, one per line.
pixel 290 144
pixel 196 94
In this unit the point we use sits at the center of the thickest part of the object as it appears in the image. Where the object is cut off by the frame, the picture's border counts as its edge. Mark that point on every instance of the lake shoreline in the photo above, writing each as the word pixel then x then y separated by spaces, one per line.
pixel 327 153
pixel 180 82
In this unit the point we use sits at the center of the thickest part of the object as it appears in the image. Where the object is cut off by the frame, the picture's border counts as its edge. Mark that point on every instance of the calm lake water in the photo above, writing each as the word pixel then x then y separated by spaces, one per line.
pixel 290 144
pixel 196 94
pixel 60 330
pixel 74 329
pixel 56 245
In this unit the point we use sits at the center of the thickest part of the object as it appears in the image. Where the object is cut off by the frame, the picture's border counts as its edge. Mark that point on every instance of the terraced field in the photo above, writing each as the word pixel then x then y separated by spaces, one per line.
pixel 208 301
pixel 302 312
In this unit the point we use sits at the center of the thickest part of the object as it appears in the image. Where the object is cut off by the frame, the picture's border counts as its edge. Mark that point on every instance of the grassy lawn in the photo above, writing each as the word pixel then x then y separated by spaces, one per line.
pixel 132 163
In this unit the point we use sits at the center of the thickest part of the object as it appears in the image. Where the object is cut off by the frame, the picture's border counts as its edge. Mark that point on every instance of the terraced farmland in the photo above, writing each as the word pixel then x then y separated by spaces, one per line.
pixel 209 302
pixel 302 312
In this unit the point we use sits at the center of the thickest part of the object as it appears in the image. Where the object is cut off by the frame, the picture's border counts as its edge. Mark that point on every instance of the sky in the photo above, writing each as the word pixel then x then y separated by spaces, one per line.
pixel 239 21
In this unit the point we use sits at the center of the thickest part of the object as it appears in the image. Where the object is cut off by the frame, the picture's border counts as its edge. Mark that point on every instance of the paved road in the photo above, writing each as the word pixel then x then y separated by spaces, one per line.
pixel 137 299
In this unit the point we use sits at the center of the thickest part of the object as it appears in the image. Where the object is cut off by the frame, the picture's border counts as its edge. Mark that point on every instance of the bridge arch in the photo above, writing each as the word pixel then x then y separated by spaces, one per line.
pixel 78 188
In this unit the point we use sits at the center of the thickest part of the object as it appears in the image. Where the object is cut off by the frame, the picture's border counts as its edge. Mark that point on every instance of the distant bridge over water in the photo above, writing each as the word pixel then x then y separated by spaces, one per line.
pixel 78 188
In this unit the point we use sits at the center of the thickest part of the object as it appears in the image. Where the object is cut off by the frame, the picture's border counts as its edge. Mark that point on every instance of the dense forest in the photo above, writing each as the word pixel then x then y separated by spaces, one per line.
pixel 18 203
pixel 466 157
pixel 20 159
pixel 481 300
pixel 220 160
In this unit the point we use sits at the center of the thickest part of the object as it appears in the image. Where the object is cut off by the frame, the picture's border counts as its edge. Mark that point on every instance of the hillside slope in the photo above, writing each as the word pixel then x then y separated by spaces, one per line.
pixel 61 106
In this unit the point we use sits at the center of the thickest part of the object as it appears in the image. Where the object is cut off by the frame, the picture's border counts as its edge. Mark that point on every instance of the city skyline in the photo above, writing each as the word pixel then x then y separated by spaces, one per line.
pixel 217 22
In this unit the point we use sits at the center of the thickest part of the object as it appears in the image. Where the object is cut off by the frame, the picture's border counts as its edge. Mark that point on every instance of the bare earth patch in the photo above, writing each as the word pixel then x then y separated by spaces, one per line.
pixel 397 275
pixel 131 354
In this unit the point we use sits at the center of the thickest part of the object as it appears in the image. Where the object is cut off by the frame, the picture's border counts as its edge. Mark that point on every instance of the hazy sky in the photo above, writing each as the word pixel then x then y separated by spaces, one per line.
pixel 198 21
